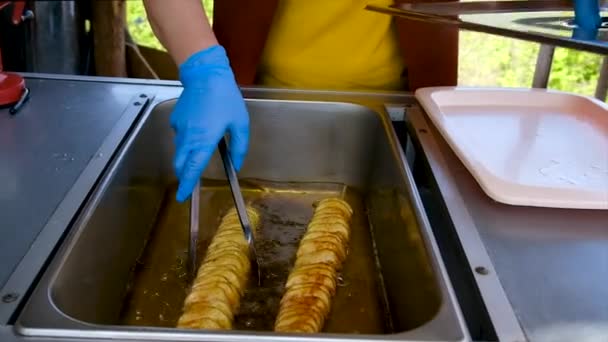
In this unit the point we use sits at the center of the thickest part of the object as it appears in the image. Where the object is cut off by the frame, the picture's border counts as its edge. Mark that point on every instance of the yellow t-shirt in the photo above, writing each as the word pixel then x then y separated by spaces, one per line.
pixel 331 44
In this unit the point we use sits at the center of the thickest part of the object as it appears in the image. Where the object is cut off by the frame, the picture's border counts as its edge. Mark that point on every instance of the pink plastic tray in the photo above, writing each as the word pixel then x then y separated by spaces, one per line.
pixel 527 147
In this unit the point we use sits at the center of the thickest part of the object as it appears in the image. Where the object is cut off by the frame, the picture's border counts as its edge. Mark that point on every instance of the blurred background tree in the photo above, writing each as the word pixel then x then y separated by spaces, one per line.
pixel 485 60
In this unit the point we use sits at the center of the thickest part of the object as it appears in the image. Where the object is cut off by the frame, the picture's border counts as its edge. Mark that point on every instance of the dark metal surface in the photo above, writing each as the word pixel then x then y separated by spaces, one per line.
pixel 551 263
pixel 81 293
pixel 55 37
pixel 51 153
pixel 483 7
pixel 241 210
pixel 552 26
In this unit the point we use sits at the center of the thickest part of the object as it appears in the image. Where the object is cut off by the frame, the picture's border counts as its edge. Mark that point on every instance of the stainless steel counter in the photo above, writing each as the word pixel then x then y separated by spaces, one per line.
pixel 55 151
pixel 539 272
pixel 549 265
pixel 52 152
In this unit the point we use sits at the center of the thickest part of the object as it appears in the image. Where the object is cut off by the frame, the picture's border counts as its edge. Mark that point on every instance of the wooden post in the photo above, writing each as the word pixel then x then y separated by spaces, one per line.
pixel 430 51
pixel 109 18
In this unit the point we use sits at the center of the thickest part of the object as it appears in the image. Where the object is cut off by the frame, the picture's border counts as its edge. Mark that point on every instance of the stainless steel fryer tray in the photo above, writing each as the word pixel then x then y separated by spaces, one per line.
pixel 344 143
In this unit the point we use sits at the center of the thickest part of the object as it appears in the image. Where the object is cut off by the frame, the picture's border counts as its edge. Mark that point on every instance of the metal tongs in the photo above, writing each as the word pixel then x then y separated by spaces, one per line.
pixel 194 221
pixel 240 209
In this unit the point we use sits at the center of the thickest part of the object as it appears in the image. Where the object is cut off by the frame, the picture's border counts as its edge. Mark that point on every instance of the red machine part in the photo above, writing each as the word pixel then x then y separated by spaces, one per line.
pixel 12 85
pixel 11 88
pixel 18 7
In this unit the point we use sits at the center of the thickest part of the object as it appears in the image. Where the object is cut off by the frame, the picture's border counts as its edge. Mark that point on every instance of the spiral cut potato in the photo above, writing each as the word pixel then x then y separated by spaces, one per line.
pixel 312 283
pixel 222 277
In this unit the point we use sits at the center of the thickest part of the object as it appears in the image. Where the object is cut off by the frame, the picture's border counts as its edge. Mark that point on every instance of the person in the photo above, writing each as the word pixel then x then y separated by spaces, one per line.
pixel 314 44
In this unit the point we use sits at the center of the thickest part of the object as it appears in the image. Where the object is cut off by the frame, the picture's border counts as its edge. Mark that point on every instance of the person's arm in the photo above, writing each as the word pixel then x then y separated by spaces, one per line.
pixel 211 103
pixel 181 26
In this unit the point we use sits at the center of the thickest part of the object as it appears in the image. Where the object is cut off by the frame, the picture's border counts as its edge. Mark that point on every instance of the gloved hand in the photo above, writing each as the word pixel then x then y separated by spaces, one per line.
pixel 210 105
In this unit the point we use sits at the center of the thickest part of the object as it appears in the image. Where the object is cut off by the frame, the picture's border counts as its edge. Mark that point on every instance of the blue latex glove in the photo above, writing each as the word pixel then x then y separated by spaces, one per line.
pixel 210 105
pixel 587 14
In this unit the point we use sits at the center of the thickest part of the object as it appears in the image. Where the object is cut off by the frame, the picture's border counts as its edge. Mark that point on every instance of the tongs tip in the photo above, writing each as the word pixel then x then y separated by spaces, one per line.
pixel 194 226
pixel 239 202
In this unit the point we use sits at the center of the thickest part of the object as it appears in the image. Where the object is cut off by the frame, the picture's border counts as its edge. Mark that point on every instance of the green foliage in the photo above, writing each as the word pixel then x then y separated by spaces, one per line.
pixel 485 60
pixel 575 71
pixel 139 27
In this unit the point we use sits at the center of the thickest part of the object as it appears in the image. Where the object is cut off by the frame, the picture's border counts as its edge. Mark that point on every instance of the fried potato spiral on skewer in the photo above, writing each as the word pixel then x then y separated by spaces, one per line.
pixel 222 277
pixel 312 283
